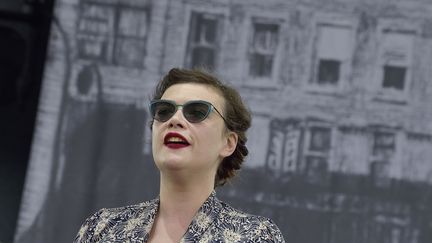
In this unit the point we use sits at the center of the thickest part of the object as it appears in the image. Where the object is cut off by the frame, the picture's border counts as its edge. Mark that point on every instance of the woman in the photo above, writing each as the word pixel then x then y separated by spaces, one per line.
pixel 198 141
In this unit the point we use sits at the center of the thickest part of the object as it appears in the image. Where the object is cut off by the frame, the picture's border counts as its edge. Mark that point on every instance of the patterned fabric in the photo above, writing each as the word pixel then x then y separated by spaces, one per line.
pixel 215 221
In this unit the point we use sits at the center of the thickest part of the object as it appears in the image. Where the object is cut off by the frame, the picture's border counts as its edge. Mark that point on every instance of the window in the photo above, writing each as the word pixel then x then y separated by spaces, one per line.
pixel 333 53
pixel 395 60
pixel 318 146
pixel 384 145
pixel 319 139
pixel 203 44
pixel 113 34
pixel 394 77
pixel 328 71
pixel 131 37
pixel 262 49
pixel 94 31
pixel 383 151
pixel 283 147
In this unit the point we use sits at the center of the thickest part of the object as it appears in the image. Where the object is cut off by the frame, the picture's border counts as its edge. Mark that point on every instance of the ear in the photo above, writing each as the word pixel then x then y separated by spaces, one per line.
pixel 231 143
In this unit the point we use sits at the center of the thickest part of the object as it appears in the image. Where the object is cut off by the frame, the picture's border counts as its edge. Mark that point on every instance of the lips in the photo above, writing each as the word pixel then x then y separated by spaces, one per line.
pixel 175 141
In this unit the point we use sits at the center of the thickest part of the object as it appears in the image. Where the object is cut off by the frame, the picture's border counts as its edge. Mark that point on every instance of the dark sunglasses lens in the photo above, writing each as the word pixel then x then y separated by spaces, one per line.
pixel 162 111
pixel 196 111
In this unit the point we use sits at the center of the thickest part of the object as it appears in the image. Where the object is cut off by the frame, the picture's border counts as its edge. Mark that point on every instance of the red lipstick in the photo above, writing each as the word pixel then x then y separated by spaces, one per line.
pixel 174 140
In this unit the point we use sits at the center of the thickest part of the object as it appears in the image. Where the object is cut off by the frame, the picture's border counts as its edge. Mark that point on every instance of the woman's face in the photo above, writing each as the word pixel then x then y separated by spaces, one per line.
pixel 192 148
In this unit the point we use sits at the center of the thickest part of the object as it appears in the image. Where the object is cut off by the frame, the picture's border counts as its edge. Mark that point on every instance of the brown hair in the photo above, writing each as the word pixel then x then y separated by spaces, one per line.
pixel 237 116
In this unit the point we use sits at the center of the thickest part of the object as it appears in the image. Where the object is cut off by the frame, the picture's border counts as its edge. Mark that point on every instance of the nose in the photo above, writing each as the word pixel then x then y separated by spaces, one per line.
pixel 177 120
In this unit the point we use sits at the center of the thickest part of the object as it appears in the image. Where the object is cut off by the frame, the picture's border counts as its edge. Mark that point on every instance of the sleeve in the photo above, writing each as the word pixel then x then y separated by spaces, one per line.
pixel 89 228
pixel 272 232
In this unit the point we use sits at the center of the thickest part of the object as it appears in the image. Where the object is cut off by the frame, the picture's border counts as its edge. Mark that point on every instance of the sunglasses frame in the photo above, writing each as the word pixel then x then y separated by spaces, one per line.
pixel 208 104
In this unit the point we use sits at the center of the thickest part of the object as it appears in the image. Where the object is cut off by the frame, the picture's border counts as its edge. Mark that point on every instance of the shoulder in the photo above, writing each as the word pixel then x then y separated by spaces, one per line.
pixel 232 213
pixel 110 220
pixel 255 227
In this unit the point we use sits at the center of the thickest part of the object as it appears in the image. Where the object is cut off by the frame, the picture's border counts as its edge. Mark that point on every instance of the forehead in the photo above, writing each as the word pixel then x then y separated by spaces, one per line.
pixel 181 93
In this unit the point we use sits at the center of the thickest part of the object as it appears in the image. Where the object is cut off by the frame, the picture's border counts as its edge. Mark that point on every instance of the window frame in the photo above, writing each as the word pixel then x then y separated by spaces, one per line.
pixel 270 18
pixel 396 27
pixel 190 45
pixel 256 21
pixel 112 37
pixel 345 66
pixel 288 134
pixel 307 152
pixel 119 36
pixel 390 162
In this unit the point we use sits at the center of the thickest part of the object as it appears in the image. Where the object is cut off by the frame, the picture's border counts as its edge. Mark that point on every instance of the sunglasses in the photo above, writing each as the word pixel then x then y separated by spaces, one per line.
pixel 194 111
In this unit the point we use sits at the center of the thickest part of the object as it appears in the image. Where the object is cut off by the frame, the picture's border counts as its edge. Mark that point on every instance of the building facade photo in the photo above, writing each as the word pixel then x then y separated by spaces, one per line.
pixel 340 92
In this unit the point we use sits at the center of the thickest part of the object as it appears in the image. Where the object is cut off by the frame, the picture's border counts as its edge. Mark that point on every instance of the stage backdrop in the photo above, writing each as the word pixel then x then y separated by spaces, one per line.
pixel 340 91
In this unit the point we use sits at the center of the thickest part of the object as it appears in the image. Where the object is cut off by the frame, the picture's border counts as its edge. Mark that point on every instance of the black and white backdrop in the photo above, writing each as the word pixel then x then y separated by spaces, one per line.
pixel 340 91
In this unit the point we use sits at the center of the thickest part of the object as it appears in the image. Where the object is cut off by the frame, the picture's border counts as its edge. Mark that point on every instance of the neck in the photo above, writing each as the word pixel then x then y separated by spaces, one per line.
pixel 183 196
pixel 180 200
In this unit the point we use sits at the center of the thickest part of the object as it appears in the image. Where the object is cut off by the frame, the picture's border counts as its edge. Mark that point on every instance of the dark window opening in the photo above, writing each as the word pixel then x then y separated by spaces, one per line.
pixel 203 57
pixel 265 36
pixel 328 71
pixel 260 65
pixel 394 77
pixel 317 154
pixel 203 41
pixel 205 31
pixel 263 49
pixel 319 139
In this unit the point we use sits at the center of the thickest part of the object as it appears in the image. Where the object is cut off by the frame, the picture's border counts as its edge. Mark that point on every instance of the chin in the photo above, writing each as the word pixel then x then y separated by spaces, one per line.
pixel 171 164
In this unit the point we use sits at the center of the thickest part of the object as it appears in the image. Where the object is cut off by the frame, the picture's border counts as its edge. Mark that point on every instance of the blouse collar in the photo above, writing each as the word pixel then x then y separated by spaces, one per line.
pixel 205 216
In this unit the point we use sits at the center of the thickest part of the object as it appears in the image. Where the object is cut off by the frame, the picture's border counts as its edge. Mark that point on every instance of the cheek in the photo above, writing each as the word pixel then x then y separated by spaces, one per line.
pixel 155 134
pixel 211 139
pixel 154 144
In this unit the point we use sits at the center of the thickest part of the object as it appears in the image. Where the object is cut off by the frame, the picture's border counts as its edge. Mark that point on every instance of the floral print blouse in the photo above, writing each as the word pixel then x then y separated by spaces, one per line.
pixel 215 221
